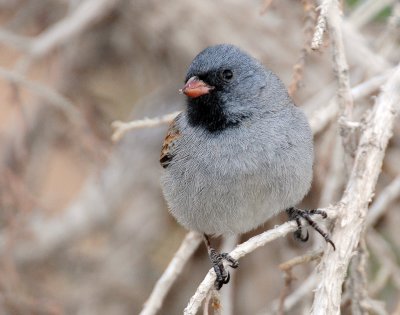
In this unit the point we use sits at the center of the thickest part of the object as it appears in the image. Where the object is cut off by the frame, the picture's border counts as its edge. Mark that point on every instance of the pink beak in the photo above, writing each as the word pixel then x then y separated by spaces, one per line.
pixel 195 87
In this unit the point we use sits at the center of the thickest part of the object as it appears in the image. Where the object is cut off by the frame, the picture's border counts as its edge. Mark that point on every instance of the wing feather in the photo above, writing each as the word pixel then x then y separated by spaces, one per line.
pixel 166 151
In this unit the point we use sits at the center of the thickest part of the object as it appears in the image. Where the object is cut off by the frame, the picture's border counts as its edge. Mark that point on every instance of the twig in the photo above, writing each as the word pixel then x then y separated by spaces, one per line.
pixel 294 298
pixel 120 128
pixel 287 267
pixel 334 179
pixel 341 69
pixel 380 247
pixel 380 281
pixel 320 118
pixel 161 288
pixel 321 25
pixel 358 280
pixel 21 43
pixel 43 91
pixel 374 307
pixel 366 11
pixel 385 198
pixel 83 17
pixel 298 68
pixel 353 206
pixel 265 6
pixel 387 43
pixel 240 251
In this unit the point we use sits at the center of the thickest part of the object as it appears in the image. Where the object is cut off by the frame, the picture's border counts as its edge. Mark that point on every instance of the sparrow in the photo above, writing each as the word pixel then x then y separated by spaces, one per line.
pixel 240 153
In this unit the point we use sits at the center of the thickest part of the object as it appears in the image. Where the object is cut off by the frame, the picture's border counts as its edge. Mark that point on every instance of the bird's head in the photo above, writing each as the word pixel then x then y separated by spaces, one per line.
pixel 225 86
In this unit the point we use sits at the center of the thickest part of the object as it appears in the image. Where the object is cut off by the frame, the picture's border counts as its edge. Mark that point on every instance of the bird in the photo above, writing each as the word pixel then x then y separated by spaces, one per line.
pixel 240 153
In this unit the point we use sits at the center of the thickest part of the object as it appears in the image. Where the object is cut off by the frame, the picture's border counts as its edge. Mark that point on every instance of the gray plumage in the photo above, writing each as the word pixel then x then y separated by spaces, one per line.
pixel 239 154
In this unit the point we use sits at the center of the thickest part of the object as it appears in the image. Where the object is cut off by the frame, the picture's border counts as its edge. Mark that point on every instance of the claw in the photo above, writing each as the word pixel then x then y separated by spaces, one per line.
pixel 299 235
pixel 227 278
pixel 233 263
pixel 217 259
pixel 296 214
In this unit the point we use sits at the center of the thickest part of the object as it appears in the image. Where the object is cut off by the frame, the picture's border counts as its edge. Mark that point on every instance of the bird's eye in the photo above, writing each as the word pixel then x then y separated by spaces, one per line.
pixel 227 74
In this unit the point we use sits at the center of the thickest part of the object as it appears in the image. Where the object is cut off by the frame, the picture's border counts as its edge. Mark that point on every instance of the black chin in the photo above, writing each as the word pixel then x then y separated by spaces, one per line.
pixel 208 112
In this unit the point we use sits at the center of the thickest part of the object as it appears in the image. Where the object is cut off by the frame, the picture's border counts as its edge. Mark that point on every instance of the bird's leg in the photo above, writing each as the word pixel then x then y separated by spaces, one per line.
pixel 296 214
pixel 217 263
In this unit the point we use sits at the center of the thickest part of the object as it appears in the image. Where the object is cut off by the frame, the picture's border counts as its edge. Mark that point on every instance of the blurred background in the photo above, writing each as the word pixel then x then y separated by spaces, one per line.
pixel 84 228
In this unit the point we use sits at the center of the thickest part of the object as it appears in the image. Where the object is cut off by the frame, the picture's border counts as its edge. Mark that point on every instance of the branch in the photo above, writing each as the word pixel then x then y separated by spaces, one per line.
pixel 321 25
pixel 321 117
pixel 341 69
pixel 120 128
pixel 241 250
pixel 366 11
pixel 43 91
pixel 353 207
pixel 84 16
pixel 386 197
pixel 185 251
pixel 81 19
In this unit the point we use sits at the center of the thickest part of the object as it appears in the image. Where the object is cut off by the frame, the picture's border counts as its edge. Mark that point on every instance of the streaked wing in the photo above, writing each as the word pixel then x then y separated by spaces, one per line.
pixel 172 135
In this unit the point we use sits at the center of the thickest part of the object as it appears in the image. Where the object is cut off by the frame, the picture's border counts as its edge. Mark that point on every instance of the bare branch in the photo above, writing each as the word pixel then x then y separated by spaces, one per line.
pixel 341 68
pixel 321 25
pixel 43 91
pixel 185 251
pixel 385 198
pixel 353 207
pixel 240 251
pixel 84 16
pixel 366 11
pixel 120 128
pixel 320 118
pixel 81 19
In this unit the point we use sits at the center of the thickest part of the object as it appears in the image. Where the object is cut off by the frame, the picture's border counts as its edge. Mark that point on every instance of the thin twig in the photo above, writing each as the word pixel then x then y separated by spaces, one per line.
pixel 385 198
pixel 320 118
pixel 298 68
pixel 43 91
pixel 358 280
pixel 382 250
pixel 294 298
pixel 366 11
pixel 287 267
pixel 120 128
pixel 74 24
pixel 240 251
pixel 161 288
pixel 341 68
pixel 321 25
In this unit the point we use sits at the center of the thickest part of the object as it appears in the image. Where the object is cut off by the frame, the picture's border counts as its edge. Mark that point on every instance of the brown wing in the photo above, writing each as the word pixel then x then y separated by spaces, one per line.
pixel 166 150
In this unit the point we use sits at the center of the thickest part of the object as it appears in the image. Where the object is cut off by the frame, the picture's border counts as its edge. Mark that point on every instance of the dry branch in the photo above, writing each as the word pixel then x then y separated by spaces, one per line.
pixel 366 11
pixel 52 96
pixel 385 198
pixel 321 25
pixel 353 207
pixel 341 69
pixel 84 16
pixel 120 128
pixel 240 251
pixel 185 251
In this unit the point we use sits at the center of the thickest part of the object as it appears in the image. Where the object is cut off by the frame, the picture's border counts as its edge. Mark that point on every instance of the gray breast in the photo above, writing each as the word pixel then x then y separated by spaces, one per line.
pixel 234 181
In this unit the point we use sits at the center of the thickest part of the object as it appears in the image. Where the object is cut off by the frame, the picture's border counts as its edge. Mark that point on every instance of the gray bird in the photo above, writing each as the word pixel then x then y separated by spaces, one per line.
pixel 240 153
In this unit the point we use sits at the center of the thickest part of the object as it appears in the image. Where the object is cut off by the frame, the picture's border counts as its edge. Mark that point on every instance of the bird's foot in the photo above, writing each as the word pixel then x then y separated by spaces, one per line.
pixel 217 259
pixel 296 214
